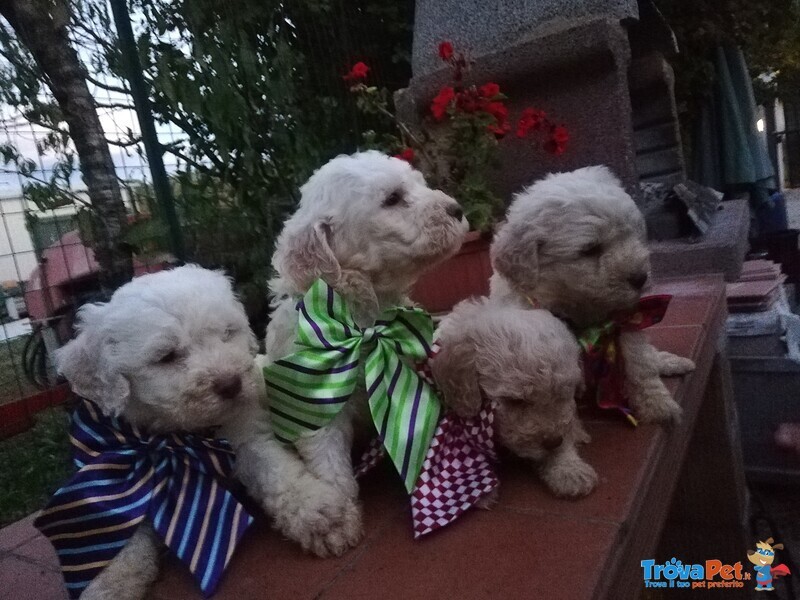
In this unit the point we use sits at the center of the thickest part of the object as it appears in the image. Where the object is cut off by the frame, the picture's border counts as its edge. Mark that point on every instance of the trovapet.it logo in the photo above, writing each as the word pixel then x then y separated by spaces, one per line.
pixel 708 575
pixel 762 558
pixel 714 574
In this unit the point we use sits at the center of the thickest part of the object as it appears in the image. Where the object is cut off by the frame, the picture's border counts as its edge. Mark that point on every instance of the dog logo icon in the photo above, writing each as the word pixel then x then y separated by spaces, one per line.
pixel 763 557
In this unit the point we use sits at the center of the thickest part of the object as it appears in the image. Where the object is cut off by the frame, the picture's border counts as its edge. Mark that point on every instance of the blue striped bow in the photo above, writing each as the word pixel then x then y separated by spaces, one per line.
pixel 178 482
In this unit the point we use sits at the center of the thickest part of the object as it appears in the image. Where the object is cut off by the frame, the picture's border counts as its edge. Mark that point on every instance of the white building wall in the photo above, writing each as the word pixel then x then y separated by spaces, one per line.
pixel 17 256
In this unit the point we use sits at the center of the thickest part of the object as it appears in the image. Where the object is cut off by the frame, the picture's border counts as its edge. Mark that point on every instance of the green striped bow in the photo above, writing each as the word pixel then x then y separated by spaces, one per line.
pixel 310 387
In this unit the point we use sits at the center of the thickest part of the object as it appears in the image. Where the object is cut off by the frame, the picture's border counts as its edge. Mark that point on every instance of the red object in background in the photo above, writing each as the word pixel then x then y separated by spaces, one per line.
pixel 445 50
pixel 358 71
pixel 17 416
pixel 464 275
pixel 67 268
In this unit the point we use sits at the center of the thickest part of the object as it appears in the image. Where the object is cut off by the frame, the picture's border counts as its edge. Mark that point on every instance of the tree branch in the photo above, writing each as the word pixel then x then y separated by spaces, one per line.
pixel 199 166
pixel 72 195
pixel 121 144
pixel 107 86
pixel 115 105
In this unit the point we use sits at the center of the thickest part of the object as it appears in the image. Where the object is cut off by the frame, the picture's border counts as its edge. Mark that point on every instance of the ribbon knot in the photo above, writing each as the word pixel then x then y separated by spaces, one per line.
pixel 603 363
pixel 179 482
pixel 311 386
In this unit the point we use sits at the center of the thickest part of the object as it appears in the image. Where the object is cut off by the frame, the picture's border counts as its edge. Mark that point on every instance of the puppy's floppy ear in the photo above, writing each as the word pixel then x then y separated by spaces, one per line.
pixel 514 254
pixel 454 371
pixel 84 361
pixel 304 254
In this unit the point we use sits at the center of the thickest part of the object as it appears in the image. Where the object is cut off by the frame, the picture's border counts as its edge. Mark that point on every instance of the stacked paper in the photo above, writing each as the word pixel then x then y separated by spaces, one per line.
pixel 758 287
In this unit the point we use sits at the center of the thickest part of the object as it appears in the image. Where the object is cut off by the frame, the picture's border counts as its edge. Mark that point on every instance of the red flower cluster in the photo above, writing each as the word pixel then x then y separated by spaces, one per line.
pixel 407 154
pixel 358 71
pixel 442 102
pixel 486 102
pixel 472 100
pixel 489 90
pixel 446 50
pixel 536 120
pixel 456 60
pixel 530 120
pixel 559 136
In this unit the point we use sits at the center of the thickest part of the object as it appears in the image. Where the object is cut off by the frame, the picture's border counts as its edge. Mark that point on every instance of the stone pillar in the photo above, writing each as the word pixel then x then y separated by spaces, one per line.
pixel 570 59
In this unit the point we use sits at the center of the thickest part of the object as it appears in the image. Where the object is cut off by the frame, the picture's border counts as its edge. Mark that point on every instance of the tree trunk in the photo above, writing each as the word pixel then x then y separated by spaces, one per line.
pixel 42 26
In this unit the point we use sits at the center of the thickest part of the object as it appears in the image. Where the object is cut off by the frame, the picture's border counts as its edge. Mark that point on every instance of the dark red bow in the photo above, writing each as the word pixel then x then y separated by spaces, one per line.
pixel 603 363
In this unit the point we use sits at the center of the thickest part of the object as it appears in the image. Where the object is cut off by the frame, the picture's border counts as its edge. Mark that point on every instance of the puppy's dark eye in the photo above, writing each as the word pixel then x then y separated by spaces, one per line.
pixel 229 333
pixel 592 250
pixel 394 199
pixel 168 358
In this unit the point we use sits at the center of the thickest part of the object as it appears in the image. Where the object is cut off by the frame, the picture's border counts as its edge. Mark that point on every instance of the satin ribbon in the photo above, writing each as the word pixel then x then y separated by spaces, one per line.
pixel 308 388
pixel 179 482
pixel 603 363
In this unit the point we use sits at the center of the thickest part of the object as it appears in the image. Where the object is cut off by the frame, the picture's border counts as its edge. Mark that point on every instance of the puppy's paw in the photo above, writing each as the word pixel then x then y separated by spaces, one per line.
pixel 569 478
pixel 658 407
pixel 319 517
pixel 672 364
pixel 488 501
pixel 581 435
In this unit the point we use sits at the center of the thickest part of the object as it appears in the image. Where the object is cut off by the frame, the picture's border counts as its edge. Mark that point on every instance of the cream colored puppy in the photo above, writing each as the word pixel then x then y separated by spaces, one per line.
pixel 575 244
pixel 527 364
pixel 369 226
pixel 173 352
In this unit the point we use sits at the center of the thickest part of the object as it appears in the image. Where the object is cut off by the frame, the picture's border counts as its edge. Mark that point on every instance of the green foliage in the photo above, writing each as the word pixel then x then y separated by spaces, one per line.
pixel 252 90
pixel 472 153
pixel 33 465
pixel 768 31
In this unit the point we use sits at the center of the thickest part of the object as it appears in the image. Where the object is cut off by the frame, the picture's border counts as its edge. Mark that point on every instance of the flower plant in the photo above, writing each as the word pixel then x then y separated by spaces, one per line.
pixel 458 140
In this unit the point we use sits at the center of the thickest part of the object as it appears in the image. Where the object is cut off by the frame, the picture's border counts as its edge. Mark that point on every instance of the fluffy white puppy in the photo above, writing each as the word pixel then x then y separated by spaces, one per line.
pixel 527 364
pixel 369 226
pixel 172 351
pixel 575 243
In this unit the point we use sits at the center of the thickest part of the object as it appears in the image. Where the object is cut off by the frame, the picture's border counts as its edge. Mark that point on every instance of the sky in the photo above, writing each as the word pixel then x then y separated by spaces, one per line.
pixel 116 123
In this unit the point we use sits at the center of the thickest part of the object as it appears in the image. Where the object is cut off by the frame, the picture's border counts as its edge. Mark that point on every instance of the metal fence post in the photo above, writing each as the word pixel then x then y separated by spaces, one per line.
pixel 152 147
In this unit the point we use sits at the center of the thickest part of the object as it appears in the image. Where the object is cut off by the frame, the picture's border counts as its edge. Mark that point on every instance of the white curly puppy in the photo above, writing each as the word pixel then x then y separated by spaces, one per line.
pixel 368 225
pixel 575 244
pixel 527 364
pixel 173 351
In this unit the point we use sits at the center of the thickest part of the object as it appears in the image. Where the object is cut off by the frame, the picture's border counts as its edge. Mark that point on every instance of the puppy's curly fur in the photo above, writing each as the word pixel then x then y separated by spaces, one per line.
pixel 575 242
pixel 527 364
pixel 173 351
pixel 369 226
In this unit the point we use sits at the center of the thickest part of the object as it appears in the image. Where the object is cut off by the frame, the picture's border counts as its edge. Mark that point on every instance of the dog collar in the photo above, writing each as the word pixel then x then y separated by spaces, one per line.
pixel 179 482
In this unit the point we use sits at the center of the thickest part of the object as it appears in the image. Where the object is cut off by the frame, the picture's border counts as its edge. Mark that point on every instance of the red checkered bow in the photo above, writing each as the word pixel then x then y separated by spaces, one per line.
pixel 457 471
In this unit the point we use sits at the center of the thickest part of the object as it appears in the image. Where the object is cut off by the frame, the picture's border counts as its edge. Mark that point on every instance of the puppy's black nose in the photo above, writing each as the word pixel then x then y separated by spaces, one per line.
pixel 228 386
pixel 638 280
pixel 454 210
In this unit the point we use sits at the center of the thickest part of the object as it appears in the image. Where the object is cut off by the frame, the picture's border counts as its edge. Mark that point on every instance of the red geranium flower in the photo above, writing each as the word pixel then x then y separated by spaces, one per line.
pixel 500 113
pixel 407 155
pixel 358 71
pixel 500 129
pixel 498 110
pixel 560 134
pixel 468 101
pixel 441 102
pixel 446 50
pixel 530 120
pixel 557 144
pixel 489 90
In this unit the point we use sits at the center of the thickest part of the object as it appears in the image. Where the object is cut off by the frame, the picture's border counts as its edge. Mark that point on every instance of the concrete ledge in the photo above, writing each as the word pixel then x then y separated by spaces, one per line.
pixel 721 250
